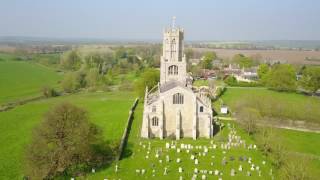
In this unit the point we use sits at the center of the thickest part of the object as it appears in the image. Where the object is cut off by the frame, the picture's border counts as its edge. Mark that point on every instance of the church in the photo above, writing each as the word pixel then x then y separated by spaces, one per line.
pixel 173 108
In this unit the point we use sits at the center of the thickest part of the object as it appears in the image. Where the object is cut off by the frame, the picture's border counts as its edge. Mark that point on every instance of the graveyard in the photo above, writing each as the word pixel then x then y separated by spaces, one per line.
pixel 231 154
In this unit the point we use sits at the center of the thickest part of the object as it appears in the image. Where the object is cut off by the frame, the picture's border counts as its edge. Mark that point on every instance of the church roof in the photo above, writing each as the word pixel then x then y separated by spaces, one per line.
pixel 171 84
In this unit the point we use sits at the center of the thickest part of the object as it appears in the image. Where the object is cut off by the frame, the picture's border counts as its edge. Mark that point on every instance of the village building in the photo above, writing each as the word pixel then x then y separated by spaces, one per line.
pixel 173 108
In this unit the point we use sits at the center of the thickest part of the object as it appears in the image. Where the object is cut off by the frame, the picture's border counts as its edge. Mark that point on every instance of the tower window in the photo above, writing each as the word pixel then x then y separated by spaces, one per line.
pixel 155 121
pixel 173 70
pixel 201 108
pixel 178 98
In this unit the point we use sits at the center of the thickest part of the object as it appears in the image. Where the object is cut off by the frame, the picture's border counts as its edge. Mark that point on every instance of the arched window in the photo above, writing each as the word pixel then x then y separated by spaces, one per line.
pixel 173 70
pixel 155 121
pixel 173 48
pixel 201 108
pixel 178 98
pixel 154 108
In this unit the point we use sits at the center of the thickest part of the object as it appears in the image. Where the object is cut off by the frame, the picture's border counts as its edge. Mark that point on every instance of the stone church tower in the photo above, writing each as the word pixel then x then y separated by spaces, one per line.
pixel 174 108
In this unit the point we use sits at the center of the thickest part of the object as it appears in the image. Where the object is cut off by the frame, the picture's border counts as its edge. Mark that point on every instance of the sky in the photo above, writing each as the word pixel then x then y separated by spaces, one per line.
pixel 205 20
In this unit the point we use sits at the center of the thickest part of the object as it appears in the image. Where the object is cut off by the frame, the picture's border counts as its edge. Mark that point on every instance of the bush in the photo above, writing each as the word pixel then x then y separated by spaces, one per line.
pixel 232 81
pixel 49 92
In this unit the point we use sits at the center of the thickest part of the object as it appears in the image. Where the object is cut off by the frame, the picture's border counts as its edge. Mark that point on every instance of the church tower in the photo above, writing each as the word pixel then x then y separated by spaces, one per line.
pixel 173 61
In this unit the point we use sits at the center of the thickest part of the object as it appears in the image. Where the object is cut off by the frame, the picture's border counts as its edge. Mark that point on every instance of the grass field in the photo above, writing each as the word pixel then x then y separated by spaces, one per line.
pixel 108 110
pixel 302 146
pixel 274 104
pixel 20 79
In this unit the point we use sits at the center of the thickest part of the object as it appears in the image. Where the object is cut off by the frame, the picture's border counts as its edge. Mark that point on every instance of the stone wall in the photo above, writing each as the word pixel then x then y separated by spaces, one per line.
pixel 126 132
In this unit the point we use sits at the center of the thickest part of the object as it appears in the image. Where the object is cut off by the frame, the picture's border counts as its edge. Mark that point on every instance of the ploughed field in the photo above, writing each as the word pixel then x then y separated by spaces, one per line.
pixel 107 110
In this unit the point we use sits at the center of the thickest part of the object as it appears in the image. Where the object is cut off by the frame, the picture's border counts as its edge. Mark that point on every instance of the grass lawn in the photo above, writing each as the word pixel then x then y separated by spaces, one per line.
pixel 108 110
pixel 136 157
pixel 20 79
pixel 302 144
pixel 280 105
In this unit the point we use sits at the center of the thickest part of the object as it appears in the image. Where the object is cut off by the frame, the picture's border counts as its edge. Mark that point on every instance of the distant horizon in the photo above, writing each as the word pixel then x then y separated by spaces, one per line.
pixel 203 20
pixel 150 39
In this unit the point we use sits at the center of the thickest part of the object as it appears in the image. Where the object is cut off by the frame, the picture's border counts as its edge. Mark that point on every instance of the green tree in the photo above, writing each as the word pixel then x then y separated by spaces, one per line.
pixel 282 77
pixel 243 61
pixel 92 77
pixel 149 78
pixel 65 143
pixel 310 79
pixel 231 81
pixel 71 60
pixel 207 60
pixel 73 81
pixel 262 72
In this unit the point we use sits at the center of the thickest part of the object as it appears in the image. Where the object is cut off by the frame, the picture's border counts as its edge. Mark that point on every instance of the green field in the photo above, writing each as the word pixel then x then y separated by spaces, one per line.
pixel 21 79
pixel 279 105
pixel 108 110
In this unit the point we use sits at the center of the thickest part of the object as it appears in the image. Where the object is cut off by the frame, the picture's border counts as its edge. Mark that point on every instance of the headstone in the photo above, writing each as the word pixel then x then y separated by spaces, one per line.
pixel 233 172
pixel 203 177
pixel 195 170
pixel 137 171
pixel 196 161
pixel 167 158
pixel 210 172
pixel 165 171
pixel 143 171
pixel 178 160
pixel 216 172
pixel 167 145
pixel 192 157
pixel 178 150
pixel 180 178
pixel 240 168
pixel 263 162
pixel 248 173
pixel 116 169
pixel 180 169
pixel 93 170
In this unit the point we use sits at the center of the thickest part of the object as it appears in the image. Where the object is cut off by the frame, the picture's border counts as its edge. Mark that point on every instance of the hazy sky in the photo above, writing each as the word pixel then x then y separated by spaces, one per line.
pixel 145 19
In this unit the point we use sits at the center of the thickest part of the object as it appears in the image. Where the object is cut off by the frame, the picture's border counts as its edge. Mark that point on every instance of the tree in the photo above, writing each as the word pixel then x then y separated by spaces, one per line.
pixel 65 143
pixel 207 60
pixel 149 78
pixel 310 79
pixel 282 77
pixel 243 61
pixel 248 117
pixel 71 61
pixel 262 72
pixel 231 81
pixel 73 81
pixel 92 78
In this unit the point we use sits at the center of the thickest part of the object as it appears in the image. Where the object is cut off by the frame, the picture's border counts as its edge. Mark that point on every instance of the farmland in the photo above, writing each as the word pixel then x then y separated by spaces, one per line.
pixel 21 79
pixel 281 105
pixel 107 110
pixel 289 56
